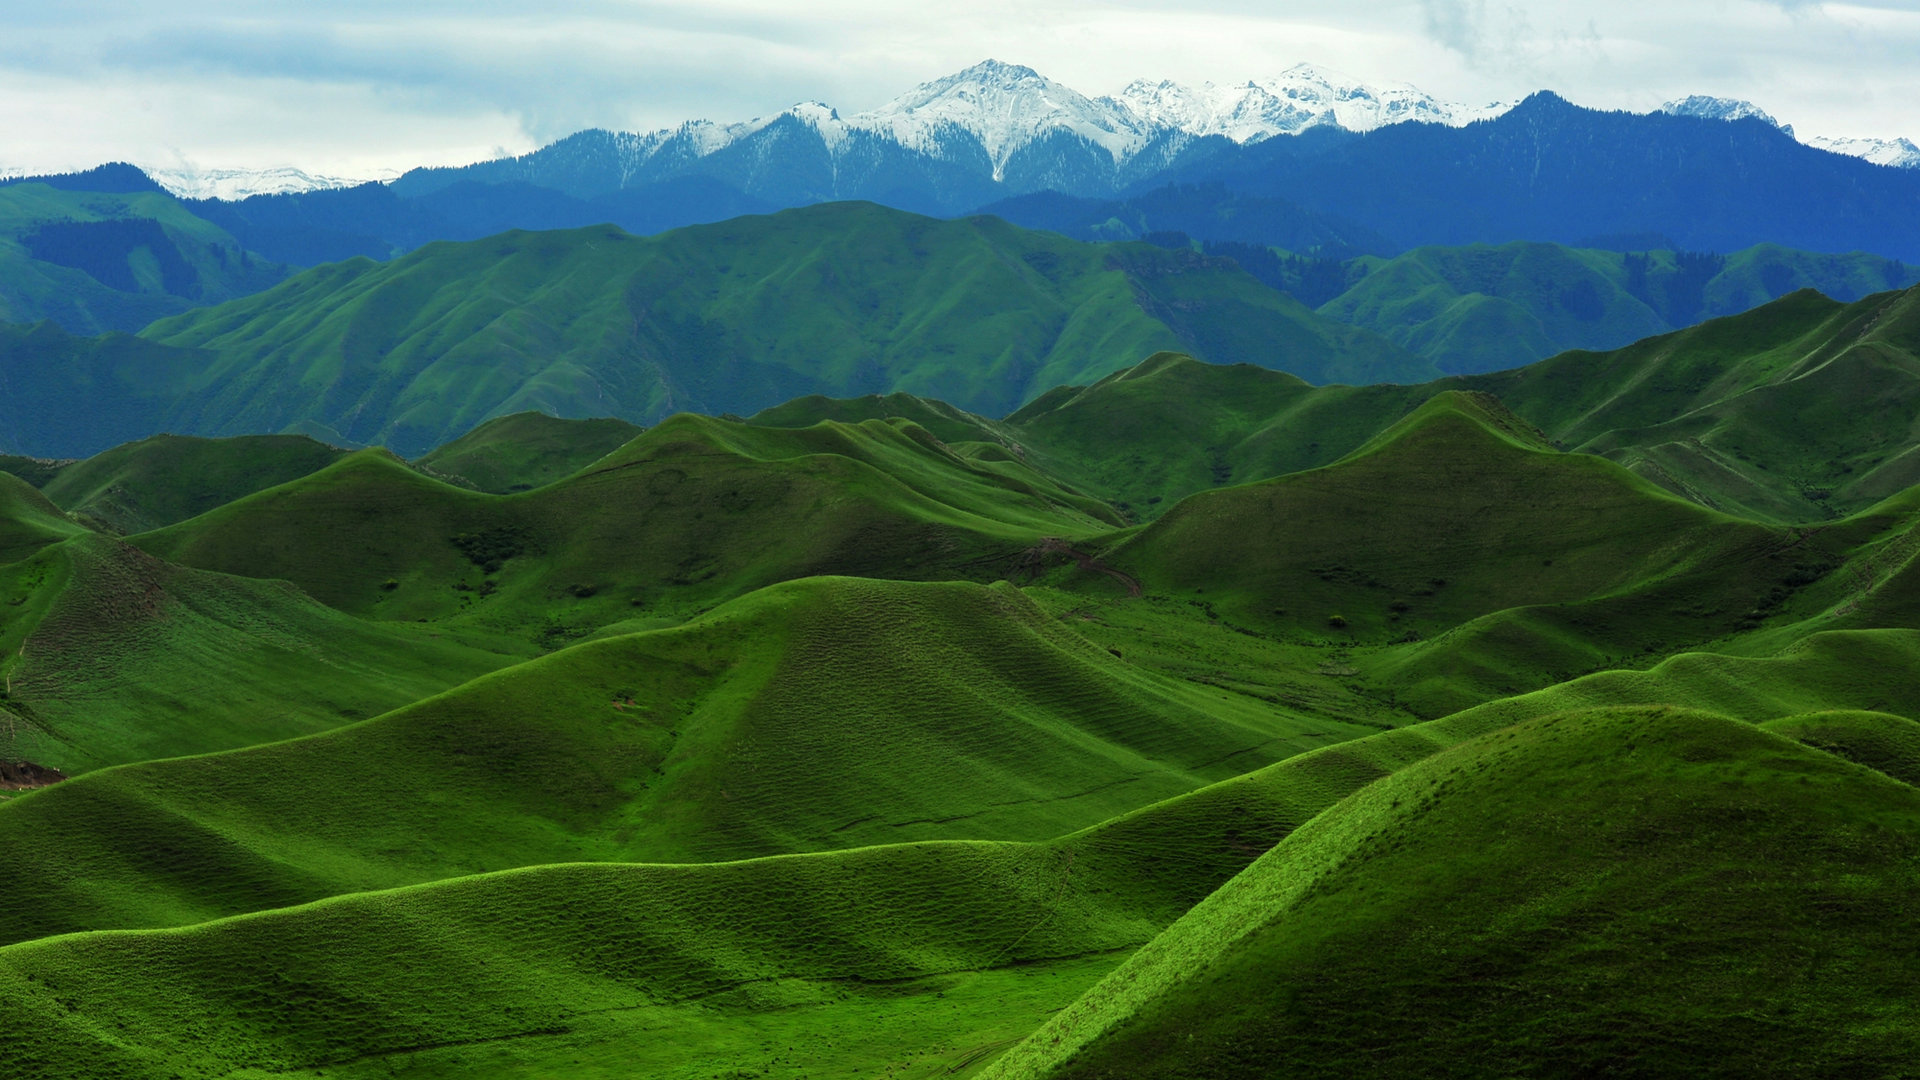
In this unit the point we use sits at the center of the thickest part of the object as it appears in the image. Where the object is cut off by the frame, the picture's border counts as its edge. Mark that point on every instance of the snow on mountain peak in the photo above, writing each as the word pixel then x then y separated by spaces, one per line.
pixel 1005 106
pixel 1900 153
pixel 1718 108
pixel 191 183
pixel 1301 97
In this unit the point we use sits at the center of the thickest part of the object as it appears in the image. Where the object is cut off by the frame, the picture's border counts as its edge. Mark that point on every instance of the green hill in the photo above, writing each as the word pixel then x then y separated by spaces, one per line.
pixel 28 521
pixel 1792 411
pixel 96 262
pixel 841 299
pixel 1454 512
pixel 815 715
pixel 926 957
pixel 526 450
pixel 1798 411
pixel 694 511
pixel 1676 890
pixel 169 478
pixel 111 655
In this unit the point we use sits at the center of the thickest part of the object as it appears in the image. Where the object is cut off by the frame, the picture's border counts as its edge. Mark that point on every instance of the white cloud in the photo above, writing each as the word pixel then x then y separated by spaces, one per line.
pixel 355 85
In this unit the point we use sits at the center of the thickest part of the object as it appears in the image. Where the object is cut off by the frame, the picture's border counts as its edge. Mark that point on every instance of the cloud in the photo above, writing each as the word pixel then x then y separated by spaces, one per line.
pixel 257 82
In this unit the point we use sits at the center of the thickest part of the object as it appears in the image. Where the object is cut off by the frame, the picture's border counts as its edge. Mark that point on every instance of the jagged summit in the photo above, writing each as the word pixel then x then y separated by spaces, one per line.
pixel 1900 153
pixel 1299 98
pixel 1719 108
pixel 1005 106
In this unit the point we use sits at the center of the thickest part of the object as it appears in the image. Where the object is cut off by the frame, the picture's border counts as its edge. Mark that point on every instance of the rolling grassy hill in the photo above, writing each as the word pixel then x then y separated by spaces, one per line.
pixel 111 655
pixel 1456 511
pixel 166 479
pixel 28 521
pixel 1689 411
pixel 1792 411
pixel 816 715
pixel 1561 896
pixel 870 737
pixel 890 956
pixel 526 450
pixel 693 511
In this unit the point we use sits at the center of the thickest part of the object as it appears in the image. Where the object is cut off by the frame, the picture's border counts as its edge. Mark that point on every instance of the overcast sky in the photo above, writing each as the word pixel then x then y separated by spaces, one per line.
pixel 351 87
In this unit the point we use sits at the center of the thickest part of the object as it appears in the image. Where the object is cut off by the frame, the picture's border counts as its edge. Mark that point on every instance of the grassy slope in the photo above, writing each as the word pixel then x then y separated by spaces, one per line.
pixel 1789 412
pixel 169 478
pixel 819 714
pixel 776 970
pixel 526 450
pixel 28 521
pixel 840 298
pixel 693 511
pixel 1712 413
pixel 1667 890
pixel 32 289
pixel 1452 513
pixel 113 656
pixel 1484 307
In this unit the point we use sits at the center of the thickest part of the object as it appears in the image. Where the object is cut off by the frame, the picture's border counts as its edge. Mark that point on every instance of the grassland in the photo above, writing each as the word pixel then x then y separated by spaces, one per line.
pixel 875 735
pixel 1658 890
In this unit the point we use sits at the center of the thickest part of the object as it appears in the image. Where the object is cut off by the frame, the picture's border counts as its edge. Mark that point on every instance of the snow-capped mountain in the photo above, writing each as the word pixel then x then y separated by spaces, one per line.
pixel 1007 108
pixel 992 130
pixel 1301 97
pixel 188 183
pixel 1719 108
pixel 1900 153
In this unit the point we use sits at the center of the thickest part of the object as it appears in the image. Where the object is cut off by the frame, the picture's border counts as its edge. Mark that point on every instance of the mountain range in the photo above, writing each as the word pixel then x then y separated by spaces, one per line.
pixel 842 299
pixel 1001 110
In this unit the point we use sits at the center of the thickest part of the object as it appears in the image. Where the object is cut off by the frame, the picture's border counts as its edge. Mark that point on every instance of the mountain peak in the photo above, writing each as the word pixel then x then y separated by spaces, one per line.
pixel 1005 106
pixel 1707 107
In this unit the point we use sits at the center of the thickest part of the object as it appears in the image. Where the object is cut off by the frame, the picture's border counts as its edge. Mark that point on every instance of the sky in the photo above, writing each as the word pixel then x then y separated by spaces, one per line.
pixel 362 88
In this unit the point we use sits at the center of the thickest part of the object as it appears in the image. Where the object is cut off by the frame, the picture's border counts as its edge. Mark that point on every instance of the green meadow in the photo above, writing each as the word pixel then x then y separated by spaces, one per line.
pixel 1188 719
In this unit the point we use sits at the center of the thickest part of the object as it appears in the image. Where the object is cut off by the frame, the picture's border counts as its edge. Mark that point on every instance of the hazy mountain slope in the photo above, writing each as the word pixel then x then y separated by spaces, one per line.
pixel 840 299
pixel 68 397
pixel 526 450
pixel 97 261
pixel 1202 212
pixel 1481 308
pixel 1474 914
pixel 1551 171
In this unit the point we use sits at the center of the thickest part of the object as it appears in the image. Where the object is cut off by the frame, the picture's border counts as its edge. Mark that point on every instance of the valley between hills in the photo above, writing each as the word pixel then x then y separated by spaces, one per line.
pixel 1067 720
